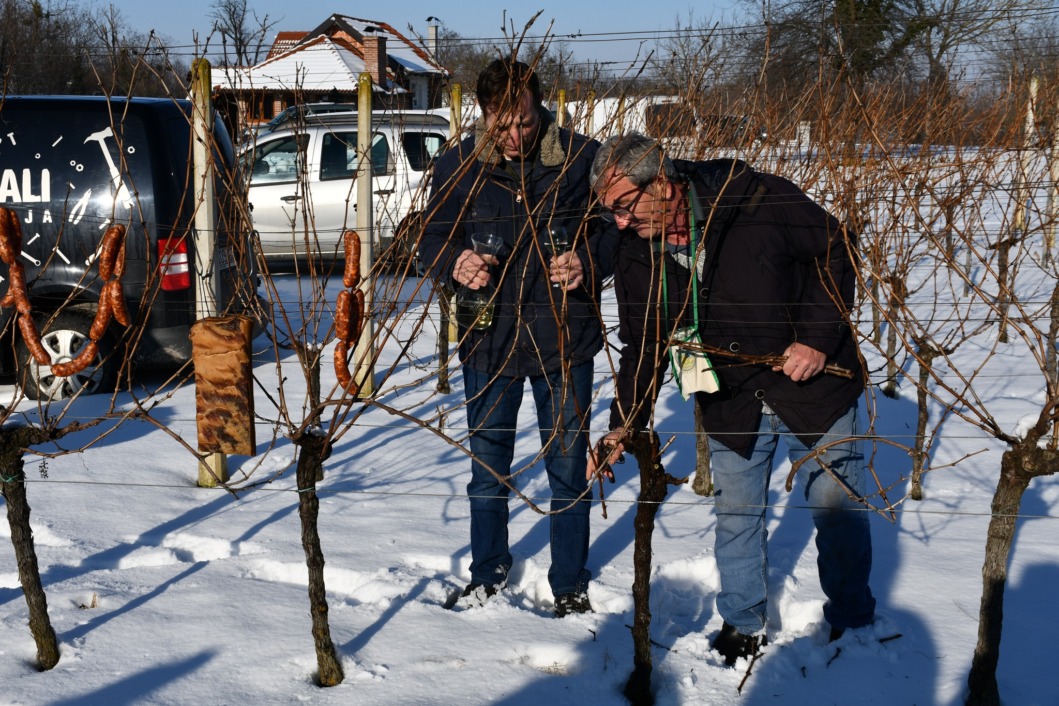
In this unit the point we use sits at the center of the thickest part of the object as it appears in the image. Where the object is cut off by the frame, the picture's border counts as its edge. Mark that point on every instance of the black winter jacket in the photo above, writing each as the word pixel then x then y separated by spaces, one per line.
pixel 777 270
pixel 475 190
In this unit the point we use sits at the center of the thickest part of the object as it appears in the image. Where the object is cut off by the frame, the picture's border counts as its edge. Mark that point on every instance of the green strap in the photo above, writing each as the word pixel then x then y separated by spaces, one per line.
pixel 694 262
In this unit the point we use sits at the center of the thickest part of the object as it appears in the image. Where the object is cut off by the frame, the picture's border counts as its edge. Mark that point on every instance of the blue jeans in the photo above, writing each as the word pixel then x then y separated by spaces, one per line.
pixel 563 402
pixel 843 537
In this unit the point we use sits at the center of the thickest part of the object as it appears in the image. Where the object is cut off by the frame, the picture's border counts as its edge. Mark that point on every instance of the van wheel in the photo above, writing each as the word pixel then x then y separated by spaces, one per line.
pixel 63 339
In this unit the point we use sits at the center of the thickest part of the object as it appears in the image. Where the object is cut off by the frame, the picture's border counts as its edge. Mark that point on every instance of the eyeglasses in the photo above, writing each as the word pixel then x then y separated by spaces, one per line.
pixel 623 211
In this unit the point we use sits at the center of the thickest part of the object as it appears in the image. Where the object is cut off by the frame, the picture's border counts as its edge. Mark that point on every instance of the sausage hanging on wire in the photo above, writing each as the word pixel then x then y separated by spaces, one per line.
pixel 349 320
pixel 16 289
pixel 82 361
pixel 356 318
pixel 112 247
pixel 349 315
pixel 342 364
pixel 10 236
pixel 102 319
pixel 343 310
pixel 31 337
pixel 349 312
pixel 119 264
pixel 113 294
pixel 351 275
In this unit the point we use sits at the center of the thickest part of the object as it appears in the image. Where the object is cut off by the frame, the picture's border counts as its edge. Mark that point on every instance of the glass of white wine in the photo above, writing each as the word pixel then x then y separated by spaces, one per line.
pixel 474 307
pixel 558 243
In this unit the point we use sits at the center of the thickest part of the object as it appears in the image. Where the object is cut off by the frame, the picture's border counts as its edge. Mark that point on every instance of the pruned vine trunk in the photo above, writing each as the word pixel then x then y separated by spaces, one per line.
pixel 12 468
pixel 310 465
pixel 897 298
pixel 1051 366
pixel 444 304
pixel 1004 290
pixel 876 313
pixel 309 356
pixel 1017 467
pixel 927 354
pixel 653 489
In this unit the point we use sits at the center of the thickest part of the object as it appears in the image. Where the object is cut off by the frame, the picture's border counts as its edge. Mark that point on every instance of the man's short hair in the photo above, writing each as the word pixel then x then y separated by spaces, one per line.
pixel 501 83
pixel 638 158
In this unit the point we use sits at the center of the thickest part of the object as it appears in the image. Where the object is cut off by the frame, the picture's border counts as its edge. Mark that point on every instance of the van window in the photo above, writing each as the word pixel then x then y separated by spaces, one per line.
pixel 421 148
pixel 278 160
pixel 338 156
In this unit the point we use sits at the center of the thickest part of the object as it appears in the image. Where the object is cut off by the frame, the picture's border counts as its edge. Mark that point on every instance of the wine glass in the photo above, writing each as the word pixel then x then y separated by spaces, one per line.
pixel 558 243
pixel 474 307
pixel 487 243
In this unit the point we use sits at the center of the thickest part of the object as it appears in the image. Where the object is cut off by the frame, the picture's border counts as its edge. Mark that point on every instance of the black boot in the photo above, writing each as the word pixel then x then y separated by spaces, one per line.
pixel 733 644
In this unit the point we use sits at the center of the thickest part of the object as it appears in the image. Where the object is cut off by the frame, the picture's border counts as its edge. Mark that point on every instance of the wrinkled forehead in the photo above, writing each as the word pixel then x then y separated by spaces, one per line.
pixel 522 111
pixel 614 183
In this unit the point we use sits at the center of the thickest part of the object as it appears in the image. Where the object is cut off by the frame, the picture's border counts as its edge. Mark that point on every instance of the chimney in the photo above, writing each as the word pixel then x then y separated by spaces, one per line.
pixel 432 37
pixel 375 58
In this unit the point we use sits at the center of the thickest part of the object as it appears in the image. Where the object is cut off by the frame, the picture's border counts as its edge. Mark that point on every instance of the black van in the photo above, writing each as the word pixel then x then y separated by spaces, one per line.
pixel 72 166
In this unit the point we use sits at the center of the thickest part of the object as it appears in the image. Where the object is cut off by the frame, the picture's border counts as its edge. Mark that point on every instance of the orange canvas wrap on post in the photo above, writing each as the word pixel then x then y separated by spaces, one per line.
pixel 224 385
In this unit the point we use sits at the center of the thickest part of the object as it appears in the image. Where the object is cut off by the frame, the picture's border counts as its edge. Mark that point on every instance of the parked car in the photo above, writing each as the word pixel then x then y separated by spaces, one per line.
pixel 301 111
pixel 72 166
pixel 302 181
pixel 291 115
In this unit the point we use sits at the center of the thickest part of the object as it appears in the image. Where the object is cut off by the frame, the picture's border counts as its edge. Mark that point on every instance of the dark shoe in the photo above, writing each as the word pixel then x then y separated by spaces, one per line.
pixel 475 595
pixel 835 634
pixel 568 603
pixel 733 644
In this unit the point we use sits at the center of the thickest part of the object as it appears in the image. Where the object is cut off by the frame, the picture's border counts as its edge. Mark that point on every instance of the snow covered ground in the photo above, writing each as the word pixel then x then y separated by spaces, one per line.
pixel 165 593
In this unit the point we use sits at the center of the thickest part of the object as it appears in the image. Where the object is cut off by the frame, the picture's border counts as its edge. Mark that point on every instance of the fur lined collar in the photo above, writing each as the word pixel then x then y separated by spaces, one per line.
pixel 551 153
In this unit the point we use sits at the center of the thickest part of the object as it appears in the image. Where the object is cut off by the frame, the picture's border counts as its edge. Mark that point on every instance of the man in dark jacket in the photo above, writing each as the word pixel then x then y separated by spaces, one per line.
pixel 765 278
pixel 517 177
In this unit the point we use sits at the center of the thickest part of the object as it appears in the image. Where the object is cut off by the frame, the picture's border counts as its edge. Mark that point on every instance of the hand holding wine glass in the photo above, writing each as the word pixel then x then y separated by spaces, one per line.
pixel 558 245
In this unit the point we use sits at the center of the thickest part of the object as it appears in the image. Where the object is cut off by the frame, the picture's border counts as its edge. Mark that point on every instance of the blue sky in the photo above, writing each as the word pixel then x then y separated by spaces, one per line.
pixel 617 34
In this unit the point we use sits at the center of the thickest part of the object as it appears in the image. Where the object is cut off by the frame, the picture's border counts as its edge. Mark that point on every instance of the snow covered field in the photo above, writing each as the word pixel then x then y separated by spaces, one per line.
pixel 165 593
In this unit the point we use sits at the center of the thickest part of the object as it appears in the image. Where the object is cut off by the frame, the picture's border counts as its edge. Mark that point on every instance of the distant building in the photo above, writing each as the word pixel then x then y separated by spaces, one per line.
pixel 324 65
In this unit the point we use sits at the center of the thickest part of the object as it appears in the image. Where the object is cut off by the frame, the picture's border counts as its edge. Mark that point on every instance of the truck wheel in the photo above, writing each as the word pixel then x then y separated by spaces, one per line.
pixel 63 339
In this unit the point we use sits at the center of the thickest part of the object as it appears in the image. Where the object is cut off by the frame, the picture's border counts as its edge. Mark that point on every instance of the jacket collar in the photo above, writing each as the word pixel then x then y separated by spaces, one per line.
pixel 550 153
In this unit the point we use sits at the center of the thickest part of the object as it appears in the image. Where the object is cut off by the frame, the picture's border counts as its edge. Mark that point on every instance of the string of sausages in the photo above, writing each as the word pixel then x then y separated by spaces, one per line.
pixel 349 313
pixel 17 296
pixel 111 301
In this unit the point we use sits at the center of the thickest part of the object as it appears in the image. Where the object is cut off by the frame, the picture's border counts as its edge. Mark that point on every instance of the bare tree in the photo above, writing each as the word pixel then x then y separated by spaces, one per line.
pixel 243 32
pixel 952 28
pixel 127 62
pixel 43 48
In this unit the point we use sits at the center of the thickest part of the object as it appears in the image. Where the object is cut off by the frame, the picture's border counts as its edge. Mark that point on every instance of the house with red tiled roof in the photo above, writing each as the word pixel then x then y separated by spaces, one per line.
pixel 285 41
pixel 324 65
